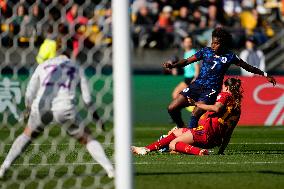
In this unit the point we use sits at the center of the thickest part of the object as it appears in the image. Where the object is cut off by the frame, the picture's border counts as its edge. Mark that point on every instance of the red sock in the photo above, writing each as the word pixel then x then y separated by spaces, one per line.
pixel 186 148
pixel 160 143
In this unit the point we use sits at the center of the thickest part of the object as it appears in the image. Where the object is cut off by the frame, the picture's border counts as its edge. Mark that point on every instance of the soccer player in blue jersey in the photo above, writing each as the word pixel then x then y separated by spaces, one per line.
pixel 216 61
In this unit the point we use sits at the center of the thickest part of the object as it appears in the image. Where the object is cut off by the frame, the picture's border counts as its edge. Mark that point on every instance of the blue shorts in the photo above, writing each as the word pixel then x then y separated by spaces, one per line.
pixel 198 92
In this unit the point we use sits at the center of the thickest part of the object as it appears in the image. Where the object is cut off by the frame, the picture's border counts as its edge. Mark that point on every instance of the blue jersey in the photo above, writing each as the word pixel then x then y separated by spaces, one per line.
pixel 214 67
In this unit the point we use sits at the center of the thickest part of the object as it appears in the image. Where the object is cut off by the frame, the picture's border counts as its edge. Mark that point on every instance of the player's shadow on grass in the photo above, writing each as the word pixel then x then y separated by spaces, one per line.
pixel 210 172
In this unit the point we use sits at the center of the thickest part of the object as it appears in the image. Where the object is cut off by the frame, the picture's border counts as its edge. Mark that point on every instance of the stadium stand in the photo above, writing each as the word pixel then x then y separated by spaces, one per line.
pixel 85 27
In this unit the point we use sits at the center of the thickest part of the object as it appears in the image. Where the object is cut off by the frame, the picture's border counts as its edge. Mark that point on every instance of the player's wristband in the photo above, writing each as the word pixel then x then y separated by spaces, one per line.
pixel 264 74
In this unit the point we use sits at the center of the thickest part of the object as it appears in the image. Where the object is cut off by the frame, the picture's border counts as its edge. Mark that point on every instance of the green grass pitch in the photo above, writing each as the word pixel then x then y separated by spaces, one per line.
pixel 254 159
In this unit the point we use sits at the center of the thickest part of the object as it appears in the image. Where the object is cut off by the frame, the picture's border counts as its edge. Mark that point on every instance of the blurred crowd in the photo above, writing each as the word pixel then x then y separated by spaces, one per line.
pixel 164 23
pixel 74 24
pixel 81 24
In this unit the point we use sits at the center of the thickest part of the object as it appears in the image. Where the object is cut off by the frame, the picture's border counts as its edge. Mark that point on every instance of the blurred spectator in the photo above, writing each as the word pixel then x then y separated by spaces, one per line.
pixel 212 17
pixel 72 14
pixel 105 24
pixel 249 20
pixel 143 26
pixel 181 26
pixel 248 4
pixel 3 7
pixel 197 21
pixel 78 39
pixel 62 32
pixel 153 7
pixel 73 18
pixel 18 19
pixel 36 15
pixel 48 48
pixel 28 29
pixel 164 3
pixel 252 56
pixel 164 28
pixel 232 9
pixel 253 24
pixel 138 4
pixel 77 26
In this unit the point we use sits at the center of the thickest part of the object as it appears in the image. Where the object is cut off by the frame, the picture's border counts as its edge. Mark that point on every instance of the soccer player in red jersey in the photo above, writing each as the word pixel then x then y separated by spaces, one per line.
pixel 215 127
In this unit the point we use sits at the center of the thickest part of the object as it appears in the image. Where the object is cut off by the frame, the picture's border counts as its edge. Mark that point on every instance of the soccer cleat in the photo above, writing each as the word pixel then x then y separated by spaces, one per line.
pixel 204 152
pixel 139 150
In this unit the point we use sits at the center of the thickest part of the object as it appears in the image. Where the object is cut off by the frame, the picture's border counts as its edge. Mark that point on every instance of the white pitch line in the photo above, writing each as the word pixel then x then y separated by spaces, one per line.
pixel 154 163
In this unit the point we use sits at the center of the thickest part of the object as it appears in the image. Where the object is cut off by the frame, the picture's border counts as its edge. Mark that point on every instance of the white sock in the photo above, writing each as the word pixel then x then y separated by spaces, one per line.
pixel 16 149
pixel 97 152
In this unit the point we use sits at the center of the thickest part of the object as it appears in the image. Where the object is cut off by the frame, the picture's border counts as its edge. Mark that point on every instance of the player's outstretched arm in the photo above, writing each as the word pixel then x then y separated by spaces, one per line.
pixel 212 108
pixel 179 64
pixel 255 70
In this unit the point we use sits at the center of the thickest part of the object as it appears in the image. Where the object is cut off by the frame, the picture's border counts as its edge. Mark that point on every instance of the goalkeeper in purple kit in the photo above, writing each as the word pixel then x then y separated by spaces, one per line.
pixel 51 96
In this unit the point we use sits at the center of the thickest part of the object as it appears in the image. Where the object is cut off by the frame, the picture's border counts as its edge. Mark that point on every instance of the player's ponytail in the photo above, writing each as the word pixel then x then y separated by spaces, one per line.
pixel 235 86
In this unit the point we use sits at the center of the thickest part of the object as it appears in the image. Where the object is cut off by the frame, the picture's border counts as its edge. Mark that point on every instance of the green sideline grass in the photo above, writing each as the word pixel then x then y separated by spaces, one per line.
pixel 254 159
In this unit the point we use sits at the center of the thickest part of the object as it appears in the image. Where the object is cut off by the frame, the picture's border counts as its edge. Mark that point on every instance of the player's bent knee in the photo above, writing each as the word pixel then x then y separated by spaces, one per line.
pixel 177 132
pixel 171 108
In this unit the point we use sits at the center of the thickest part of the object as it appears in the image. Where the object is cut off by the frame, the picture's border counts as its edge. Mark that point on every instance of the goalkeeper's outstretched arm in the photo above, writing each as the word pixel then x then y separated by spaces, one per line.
pixel 32 89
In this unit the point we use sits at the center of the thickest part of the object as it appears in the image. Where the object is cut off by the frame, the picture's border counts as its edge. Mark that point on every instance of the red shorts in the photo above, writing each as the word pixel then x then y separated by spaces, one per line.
pixel 201 135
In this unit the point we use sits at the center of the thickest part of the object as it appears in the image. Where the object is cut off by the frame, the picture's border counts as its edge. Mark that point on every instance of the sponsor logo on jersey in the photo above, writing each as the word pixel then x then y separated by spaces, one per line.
pixel 224 59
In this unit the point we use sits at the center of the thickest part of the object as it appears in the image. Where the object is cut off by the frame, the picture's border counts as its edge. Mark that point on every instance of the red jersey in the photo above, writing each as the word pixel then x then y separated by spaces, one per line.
pixel 216 124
